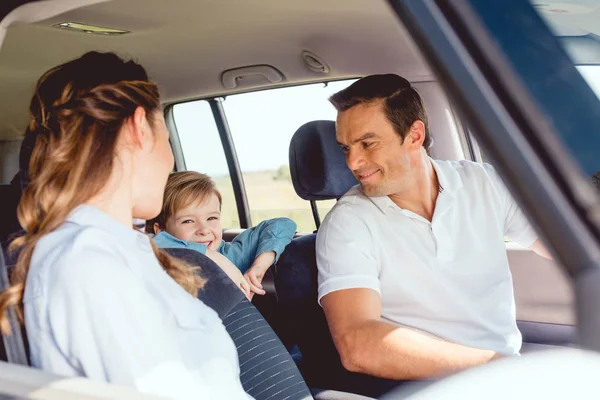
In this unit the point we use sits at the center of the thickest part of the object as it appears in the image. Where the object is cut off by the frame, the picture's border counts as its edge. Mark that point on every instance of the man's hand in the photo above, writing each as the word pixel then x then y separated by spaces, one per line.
pixel 256 272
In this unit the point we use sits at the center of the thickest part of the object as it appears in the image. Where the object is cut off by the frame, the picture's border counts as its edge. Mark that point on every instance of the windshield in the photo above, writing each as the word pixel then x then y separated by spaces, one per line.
pixel 575 24
pixel 591 73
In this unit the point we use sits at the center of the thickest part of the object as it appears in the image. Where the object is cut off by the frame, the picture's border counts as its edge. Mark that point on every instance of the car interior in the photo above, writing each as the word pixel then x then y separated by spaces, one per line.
pixel 205 56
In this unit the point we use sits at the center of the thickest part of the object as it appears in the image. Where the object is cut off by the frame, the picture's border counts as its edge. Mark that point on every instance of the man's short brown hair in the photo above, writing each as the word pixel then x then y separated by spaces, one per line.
pixel 401 102
pixel 182 189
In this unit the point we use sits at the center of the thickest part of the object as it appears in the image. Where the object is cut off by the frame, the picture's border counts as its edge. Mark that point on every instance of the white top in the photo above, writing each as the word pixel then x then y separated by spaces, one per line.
pixel 450 277
pixel 98 304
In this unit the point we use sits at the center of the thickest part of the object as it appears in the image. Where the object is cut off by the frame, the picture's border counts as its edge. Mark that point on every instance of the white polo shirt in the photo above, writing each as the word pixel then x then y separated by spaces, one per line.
pixel 449 277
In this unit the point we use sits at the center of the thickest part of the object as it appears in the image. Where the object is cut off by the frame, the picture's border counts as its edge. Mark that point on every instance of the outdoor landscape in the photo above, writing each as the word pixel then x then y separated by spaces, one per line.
pixel 270 195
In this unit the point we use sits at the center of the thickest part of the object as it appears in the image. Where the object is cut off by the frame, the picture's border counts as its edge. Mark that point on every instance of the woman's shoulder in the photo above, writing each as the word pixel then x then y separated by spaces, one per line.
pixel 74 255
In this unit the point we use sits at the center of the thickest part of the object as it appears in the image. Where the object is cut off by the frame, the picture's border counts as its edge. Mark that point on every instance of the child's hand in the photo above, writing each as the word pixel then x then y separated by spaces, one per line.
pixel 257 271
pixel 245 287
pixel 231 270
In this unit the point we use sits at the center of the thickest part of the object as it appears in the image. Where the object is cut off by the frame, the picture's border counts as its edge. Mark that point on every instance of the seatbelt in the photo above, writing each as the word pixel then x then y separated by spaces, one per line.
pixel 13 343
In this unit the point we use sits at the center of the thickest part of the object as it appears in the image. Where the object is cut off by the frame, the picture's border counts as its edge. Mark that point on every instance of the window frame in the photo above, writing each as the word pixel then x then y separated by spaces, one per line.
pixel 233 164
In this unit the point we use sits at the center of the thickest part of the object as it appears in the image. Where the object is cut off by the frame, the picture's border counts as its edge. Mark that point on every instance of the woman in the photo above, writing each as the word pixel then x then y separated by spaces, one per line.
pixel 95 296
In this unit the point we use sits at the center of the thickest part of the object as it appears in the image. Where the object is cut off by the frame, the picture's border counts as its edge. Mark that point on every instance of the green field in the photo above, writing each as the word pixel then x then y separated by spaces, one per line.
pixel 270 194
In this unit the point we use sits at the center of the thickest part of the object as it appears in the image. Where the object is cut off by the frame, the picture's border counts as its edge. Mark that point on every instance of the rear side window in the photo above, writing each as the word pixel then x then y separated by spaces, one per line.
pixel 262 125
pixel 203 152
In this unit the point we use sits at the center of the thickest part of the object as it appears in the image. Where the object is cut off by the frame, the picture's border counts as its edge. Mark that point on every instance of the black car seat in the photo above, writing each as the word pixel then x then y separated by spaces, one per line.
pixel 319 172
pixel 13 348
pixel 9 223
pixel 267 371
pixel 9 200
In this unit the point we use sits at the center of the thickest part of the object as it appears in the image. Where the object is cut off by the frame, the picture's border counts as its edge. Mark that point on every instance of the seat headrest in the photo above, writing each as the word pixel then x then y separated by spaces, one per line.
pixel 318 164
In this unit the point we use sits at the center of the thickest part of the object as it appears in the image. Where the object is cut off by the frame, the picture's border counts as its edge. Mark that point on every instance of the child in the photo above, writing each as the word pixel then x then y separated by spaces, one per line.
pixel 191 218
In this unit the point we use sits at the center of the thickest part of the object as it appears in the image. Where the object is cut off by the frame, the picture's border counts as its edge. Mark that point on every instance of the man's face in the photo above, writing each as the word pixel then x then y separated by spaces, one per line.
pixel 374 150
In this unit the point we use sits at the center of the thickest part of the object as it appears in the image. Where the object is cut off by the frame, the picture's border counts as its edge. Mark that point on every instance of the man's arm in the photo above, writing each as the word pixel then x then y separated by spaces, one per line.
pixel 516 224
pixel 368 345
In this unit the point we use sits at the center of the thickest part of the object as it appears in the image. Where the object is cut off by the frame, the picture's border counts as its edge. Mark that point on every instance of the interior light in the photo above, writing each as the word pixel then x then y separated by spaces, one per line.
pixel 84 28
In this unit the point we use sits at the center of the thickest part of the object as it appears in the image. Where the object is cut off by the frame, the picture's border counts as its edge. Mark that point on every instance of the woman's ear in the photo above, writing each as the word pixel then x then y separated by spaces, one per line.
pixel 157 229
pixel 139 126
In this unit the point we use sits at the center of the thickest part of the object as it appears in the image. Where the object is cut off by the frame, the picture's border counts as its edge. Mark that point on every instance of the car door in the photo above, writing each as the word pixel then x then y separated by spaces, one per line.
pixel 537 119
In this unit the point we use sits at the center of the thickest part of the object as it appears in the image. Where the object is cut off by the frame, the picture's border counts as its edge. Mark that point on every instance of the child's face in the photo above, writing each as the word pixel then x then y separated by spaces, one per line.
pixel 200 223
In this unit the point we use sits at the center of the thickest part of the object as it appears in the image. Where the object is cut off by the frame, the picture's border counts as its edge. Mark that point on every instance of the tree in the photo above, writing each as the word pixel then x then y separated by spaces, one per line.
pixel 283 174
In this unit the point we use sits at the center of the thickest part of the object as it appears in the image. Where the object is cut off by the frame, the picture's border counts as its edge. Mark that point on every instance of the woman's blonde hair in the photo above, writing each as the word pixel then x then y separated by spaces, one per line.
pixel 183 188
pixel 76 114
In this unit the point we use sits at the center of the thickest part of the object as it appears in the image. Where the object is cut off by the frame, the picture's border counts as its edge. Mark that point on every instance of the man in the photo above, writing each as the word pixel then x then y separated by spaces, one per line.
pixel 413 273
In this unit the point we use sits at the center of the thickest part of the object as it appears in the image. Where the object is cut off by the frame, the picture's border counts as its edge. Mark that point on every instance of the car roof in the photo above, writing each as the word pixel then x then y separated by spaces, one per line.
pixel 186 45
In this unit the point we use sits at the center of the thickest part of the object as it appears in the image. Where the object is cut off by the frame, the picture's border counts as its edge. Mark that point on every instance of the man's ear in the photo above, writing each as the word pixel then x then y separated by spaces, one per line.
pixel 157 229
pixel 416 134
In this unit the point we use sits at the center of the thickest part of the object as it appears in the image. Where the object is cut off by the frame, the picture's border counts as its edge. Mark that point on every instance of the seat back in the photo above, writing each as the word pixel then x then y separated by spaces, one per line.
pixel 267 370
pixel 9 201
pixel 13 348
pixel 10 195
pixel 5 212
pixel 296 285
pixel 319 172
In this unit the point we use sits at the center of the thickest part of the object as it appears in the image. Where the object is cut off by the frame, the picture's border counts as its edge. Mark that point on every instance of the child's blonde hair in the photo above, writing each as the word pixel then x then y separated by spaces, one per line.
pixel 184 188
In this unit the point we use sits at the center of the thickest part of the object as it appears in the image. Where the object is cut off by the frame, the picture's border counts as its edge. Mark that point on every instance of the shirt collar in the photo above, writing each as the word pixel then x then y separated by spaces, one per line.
pixel 382 202
pixel 448 178
pixel 166 236
pixel 86 215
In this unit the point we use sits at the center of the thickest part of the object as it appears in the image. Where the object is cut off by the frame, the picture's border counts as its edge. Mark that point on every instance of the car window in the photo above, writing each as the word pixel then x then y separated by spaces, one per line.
pixel 591 74
pixel 203 152
pixel 262 124
pixel 575 26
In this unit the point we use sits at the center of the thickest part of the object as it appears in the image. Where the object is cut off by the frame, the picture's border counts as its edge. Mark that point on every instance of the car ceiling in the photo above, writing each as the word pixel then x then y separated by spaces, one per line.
pixel 187 44
pixel 570 17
